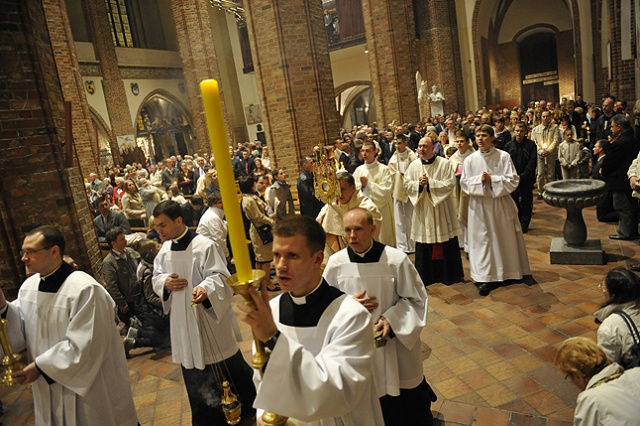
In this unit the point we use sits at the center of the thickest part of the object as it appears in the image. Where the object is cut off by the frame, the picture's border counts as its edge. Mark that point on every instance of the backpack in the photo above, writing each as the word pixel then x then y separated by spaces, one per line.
pixel 631 358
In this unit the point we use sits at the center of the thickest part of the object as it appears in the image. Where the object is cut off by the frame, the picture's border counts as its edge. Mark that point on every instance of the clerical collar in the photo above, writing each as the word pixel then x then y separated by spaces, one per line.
pixel 364 253
pixel 371 165
pixel 303 299
pixel 372 255
pixel 489 151
pixel 182 242
pixel 314 304
pixel 52 282
pixel 429 161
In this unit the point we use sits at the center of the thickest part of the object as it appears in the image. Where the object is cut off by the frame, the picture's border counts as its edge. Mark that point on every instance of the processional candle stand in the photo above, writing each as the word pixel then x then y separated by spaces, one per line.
pixel 246 277
pixel 10 362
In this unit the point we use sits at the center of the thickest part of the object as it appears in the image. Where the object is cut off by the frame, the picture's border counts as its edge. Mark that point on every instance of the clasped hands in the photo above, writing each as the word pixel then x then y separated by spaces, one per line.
pixel 369 302
pixel 175 283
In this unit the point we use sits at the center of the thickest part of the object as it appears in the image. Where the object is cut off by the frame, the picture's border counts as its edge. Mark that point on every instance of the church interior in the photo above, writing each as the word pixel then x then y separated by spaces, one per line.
pixel 88 84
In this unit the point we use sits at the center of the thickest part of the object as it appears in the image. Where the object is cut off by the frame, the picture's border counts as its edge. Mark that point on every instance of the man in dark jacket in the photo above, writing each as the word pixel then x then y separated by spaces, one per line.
pixel 119 274
pixel 523 153
pixel 619 156
pixel 309 204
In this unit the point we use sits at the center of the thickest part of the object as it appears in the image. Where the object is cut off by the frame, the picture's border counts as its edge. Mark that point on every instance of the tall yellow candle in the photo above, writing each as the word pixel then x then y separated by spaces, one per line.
pixel 226 179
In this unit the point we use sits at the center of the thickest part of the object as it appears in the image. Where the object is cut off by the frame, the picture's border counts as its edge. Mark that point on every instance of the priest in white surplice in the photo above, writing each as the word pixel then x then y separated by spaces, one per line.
pixel 375 181
pixel 402 207
pixel 320 370
pixel 384 281
pixel 66 321
pixel 188 275
pixel 496 244
pixel 330 216
pixel 430 181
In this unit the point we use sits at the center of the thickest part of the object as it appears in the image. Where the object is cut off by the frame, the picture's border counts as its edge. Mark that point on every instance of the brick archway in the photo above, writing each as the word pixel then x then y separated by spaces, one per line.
pixel 574 10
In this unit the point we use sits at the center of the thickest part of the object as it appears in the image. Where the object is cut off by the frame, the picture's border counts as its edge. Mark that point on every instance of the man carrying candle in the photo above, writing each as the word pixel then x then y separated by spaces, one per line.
pixel 320 368
pixel 190 269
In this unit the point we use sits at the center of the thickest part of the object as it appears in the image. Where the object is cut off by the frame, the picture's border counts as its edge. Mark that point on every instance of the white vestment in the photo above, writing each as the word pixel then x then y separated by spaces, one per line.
pixel 321 372
pixel 379 189
pixel 213 226
pixel 462 199
pixel 434 217
pixel 497 251
pixel 402 300
pixel 199 336
pixel 72 336
pixel 402 207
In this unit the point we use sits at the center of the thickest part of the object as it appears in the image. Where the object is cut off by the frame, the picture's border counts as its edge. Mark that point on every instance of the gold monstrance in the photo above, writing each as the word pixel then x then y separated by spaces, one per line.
pixel 11 362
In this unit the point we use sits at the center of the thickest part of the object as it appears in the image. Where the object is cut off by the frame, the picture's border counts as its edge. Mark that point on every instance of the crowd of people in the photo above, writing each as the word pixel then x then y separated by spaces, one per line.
pixel 443 188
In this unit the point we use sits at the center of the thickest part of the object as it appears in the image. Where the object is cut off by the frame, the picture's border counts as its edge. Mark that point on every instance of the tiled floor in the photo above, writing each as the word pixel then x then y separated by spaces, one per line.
pixel 489 359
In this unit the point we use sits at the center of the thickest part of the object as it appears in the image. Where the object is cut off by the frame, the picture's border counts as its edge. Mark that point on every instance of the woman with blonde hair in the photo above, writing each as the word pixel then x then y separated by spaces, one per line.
pixel 132 205
pixel 609 394
pixel 255 211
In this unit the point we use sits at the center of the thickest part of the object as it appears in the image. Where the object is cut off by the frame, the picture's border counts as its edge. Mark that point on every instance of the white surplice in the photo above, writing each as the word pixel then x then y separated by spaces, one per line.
pixel 213 226
pixel 402 300
pixel 402 207
pixel 199 336
pixel 497 251
pixel 321 374
pixel 72 336
pixel 462 199
pixel 379 189
pixel 435 219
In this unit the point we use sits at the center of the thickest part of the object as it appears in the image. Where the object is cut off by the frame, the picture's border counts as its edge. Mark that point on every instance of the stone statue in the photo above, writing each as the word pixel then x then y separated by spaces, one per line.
pixel 423 99
pixel 437 101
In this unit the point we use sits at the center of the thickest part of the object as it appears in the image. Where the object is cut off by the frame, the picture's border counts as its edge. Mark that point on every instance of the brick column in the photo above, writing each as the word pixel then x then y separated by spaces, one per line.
pixel 114 92
pixel 72 87
pixel 390 31
pixel 199 61
pixel 36 187
pixel 289 48
pixel 439 51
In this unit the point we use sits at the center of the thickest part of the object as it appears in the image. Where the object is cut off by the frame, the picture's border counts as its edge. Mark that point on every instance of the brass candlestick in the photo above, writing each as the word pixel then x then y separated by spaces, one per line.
pixel 11 362
pixel 260 357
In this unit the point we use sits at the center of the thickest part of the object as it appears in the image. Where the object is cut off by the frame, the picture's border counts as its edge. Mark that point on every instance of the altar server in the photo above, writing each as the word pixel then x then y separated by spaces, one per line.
pixel 375 181
pixel 384 280
pixel 189 275
pixel 496 244
pixel 66 321
pixel 402 207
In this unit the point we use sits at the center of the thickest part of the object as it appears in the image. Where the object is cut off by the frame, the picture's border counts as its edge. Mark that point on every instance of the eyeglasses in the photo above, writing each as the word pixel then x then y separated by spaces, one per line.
pixel 31 252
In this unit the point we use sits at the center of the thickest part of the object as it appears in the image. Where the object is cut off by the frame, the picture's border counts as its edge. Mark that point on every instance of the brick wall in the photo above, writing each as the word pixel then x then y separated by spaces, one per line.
pixel 566 64
pixel 438 51
pixel 199 61
pixel 390 33
pixel 509 74
pixel 73 91
pixel 35 186
pixel 95 12
pixel 293 72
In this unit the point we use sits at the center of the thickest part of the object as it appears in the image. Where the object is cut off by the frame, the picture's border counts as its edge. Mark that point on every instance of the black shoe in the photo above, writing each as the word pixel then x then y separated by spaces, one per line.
pixel 620 237
pixel 483 288
pixel 539 196
pixel 128 345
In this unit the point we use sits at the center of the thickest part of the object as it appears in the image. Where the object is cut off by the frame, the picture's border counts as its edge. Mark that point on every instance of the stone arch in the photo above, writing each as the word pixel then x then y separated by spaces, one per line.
pixel 105 141
pixel 168 132
pixel 347 95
